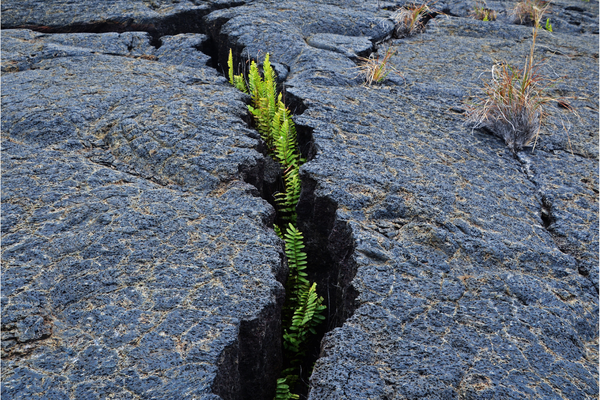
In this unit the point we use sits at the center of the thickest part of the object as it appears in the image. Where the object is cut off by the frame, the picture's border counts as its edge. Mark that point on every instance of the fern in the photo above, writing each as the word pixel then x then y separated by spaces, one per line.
pixel 278 231
pixel 283 132
pixel 287 200
pixel 303 309
pixel 283 391
pixel 297 282
pixel 306 317
pixel 265 101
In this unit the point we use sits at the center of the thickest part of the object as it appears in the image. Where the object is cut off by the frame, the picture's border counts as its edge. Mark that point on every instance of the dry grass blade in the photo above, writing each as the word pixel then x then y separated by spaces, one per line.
pixel 374 69
pixel 408 20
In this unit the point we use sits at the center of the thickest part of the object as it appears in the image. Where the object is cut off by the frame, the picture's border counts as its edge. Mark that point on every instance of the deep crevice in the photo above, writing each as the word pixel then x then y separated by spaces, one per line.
pixel 330 250
pixel 248 368
pixel 328 240
pixel 546 213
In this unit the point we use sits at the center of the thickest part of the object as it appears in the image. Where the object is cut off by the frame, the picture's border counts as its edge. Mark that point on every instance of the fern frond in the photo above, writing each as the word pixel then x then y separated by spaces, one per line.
pixel 230 67
pixel 277 230
pixel 283 390
pixel 254 83
pixel 240 83
pixel 288 200
pixel 306 317
pixel 293 250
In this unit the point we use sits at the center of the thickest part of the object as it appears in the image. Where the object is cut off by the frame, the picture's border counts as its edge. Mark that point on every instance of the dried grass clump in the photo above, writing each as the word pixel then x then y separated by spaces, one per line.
pixel 530 12
pixel 408 20
pixel 374 69
pixel 513 105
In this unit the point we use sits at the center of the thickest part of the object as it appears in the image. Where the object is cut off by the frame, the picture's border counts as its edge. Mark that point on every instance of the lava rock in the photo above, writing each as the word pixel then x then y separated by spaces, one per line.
pixel 158 17
pixel 463 289
pixel 137 263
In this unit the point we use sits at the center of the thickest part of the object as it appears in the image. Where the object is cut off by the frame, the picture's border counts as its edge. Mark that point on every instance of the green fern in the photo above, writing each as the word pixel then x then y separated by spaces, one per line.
pixel 283 391
pixel 297 282
pixel 287 200
pixel 277 231
pixel 303 309
pixel 306 317
pixel 265 101
pixel 283 132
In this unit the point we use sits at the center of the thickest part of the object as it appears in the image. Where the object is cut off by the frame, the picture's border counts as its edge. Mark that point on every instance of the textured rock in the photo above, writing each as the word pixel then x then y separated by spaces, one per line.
pixel 453 268
pixel 473 267
pixel 136 262
pixel 159 17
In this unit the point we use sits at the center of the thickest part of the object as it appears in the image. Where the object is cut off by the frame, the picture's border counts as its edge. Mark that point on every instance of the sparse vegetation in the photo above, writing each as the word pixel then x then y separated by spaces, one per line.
pixel 374 69
pixel 530 12
pixel 409 20
pixel 484 14
pixel 514 103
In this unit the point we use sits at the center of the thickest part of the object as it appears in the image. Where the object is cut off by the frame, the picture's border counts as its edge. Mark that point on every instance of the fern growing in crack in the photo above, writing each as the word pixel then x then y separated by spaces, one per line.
pixel 307 315
pixel 283 390
pixel 283 132
pixel 289 198
pixel 297 281
pixel 303 309
pixel 265 101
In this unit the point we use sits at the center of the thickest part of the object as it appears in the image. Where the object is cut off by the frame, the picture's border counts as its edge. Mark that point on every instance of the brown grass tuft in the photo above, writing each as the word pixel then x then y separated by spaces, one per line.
pixel 513 105
pixel 530 12
pixel 408 20
pixel 374 69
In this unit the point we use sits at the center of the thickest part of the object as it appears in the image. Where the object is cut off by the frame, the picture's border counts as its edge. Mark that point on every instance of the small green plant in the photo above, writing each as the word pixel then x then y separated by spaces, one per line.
pixel 283 391
pixel 530 12
pixel 236 80
pixel 306 317
pixel 409 20
pixel 548 25
pixel 484 14
pixel 374 69
pixel 303 301
pixel 514 103
pixel 303 308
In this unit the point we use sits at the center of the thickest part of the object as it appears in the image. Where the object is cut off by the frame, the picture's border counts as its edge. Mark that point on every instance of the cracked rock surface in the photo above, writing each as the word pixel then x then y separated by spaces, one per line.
pixel 137 262
pixel 465 288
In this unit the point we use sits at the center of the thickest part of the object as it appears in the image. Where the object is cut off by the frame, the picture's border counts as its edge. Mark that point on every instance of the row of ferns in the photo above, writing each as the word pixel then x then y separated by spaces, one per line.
pixel 303 308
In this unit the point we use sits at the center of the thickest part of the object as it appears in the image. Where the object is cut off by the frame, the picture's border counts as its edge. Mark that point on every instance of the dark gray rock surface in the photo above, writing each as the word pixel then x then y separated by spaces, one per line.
pixel 136 262
pixel 476 270
pixel 155 16
pixel 456 269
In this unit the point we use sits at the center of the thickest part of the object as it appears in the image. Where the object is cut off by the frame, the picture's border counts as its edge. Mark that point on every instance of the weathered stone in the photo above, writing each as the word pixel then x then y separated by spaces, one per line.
pixel 136 262
pixel 351 47
pixel 158 17
pixel 464 289
pixel 453 267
